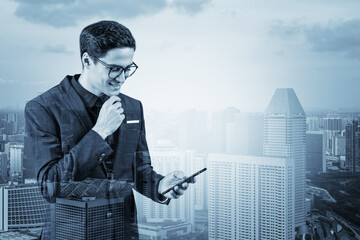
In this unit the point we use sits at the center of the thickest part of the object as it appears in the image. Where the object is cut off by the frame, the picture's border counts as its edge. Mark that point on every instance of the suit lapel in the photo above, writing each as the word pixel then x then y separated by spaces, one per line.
pixel 74 102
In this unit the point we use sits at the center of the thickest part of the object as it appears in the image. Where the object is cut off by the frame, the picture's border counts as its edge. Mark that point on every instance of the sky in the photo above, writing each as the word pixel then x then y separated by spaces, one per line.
pixel 193 54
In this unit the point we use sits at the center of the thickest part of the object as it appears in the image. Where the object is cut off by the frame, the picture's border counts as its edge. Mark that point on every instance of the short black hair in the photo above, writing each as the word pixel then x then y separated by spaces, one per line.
pixel 100 37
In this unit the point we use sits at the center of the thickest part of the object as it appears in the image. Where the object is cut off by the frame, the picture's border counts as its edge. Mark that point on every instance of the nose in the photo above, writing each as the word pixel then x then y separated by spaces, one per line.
pixel 121 77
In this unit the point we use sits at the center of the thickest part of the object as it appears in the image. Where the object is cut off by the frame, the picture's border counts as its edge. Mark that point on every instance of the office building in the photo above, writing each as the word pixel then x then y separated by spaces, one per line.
pixel 3 165
pixel 333 124
pixel 13 235
pixel 2 142
pixel 21 207
pixel 340 145
pixel 315 152
pixel 314 123
pixel 90 219
pixel 330 136
pixel 285 136
pixel 245 135
pixel 16 157
pixel 352 134
pixel 251 197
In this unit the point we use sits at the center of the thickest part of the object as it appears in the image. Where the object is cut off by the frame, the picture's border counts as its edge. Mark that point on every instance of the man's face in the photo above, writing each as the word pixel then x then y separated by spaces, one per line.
pixel 99 81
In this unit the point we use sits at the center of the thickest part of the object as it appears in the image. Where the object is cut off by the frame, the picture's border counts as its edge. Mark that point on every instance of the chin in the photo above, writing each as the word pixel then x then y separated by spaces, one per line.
pixel 113 93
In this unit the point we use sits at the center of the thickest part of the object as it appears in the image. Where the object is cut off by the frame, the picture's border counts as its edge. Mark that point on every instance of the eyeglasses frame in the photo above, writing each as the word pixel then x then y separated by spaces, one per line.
pixel 111 66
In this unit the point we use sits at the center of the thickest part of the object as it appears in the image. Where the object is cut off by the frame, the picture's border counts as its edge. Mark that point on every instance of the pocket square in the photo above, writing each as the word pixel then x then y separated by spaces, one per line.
pixel 132 121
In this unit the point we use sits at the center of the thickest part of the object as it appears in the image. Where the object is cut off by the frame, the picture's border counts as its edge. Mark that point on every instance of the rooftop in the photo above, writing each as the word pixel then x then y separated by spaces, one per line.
pixel 285 101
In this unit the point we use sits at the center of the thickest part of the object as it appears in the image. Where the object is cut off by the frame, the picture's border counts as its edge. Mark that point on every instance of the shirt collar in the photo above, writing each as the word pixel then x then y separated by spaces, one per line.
pixel 88 98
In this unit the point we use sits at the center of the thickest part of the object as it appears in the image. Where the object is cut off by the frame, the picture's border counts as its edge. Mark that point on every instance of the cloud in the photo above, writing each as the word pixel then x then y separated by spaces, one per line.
pixel 335 36
pixel 69 12
pixel 281 29
pixel 59 48
pixel 3 81
pixel 190 7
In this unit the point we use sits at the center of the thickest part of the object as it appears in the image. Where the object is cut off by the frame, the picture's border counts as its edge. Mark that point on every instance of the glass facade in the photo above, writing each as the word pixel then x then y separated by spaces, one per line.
pixel 22 207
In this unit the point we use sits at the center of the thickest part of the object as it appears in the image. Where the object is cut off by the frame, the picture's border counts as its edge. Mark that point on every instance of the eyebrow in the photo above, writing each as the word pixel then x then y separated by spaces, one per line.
pixel 114 65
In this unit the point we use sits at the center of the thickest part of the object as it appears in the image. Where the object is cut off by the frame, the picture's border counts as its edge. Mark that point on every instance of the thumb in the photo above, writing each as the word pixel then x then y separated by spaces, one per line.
pixel 178 174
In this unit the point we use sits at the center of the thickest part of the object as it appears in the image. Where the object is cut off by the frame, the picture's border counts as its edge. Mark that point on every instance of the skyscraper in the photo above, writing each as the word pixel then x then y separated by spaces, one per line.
pixel 251 197
pixel 285 136
pixel 352 134
pixel 16 157
pixel 340 145
pixel 315 151
pixel 330 136
pixel 3 165
pixel 333 124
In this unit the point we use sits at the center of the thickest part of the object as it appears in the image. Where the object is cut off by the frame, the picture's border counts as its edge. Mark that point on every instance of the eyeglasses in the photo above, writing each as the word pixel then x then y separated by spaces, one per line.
pixel 115 70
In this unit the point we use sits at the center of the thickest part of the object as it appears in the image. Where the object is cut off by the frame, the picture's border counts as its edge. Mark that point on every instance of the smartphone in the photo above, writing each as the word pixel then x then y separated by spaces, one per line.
pixel 188 179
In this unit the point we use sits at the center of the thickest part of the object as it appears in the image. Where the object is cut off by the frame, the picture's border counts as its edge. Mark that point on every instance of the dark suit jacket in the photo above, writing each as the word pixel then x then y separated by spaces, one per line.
pixel 62 146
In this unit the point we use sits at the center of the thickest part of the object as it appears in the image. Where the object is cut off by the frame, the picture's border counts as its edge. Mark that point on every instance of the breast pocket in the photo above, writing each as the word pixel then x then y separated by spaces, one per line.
pixel 132 126
pixel 132 132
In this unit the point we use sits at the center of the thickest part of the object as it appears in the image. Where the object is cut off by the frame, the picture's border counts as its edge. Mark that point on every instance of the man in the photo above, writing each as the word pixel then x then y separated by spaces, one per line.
pixel 85 128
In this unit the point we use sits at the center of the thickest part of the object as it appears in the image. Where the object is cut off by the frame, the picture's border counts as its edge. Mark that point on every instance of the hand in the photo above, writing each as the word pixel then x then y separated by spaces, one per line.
pixel 170 180
pixel 110 117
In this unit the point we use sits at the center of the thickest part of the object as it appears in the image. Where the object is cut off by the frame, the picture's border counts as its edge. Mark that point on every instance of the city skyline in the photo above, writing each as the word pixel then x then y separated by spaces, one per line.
pixel 190 140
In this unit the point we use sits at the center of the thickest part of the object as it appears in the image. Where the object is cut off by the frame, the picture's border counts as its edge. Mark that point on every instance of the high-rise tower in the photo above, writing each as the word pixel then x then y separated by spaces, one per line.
pixel 352 133
pixel 251 197
pixel 285 136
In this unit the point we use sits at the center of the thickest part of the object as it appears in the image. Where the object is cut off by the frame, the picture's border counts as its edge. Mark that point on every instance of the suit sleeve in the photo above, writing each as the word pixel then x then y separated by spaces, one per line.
pixel 44 150
pixel 147 180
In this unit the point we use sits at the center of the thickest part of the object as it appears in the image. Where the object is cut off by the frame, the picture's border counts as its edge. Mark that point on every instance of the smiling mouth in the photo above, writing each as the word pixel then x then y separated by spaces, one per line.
pixel 115 84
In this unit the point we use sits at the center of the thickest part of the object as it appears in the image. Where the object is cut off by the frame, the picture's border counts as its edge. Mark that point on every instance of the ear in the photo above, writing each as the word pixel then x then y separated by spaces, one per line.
pixel 86 60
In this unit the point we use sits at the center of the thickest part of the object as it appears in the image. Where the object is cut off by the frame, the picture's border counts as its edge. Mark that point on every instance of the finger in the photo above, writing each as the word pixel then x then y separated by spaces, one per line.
pixel 119 111
pixel 122 117
pixel 174 194
pixel 192 180
pixel 116 105
pixel 113 99
pixel 184 186
pixel 178 191
pixel 178 174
